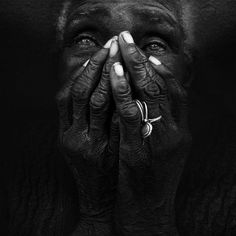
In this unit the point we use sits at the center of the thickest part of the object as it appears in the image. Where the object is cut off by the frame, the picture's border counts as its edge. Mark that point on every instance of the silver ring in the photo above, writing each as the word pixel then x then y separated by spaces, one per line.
pixel 146 122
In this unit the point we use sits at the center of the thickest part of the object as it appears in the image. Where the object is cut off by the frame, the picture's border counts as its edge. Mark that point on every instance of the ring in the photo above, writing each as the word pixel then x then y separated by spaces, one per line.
pixel 147 123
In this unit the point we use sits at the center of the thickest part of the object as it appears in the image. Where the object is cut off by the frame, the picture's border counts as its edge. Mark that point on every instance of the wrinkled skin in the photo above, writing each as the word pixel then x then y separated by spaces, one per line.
pixel 122 177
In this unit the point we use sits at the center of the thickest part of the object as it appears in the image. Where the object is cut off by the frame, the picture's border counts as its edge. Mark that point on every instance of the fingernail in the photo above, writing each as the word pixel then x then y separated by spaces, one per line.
pixel 114 48
pixel 86 63
pixel 154 60
pixel 115 37
pixel 127 37
pixel 108 43
pixel 118 68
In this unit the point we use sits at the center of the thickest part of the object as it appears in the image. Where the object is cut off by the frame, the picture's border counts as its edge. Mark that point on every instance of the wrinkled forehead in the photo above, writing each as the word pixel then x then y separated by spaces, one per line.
pixel 89 6
pixel 166 12
pixel 169 4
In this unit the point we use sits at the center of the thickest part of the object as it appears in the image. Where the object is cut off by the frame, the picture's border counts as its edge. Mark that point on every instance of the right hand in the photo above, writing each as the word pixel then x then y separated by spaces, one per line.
pixel 88 142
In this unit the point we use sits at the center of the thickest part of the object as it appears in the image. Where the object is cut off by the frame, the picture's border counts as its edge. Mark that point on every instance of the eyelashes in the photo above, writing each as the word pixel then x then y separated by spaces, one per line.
pixel 89 42
pixel 155 46
pixel 85 42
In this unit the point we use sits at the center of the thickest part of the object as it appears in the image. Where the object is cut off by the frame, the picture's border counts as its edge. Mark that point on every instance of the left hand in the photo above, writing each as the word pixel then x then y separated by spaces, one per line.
pixel 150 168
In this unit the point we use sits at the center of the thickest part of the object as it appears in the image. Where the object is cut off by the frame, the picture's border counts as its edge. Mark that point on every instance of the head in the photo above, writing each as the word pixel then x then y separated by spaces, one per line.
pixel 84 26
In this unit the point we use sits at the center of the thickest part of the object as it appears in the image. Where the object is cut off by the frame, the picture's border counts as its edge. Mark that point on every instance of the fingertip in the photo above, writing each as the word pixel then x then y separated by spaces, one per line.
pixel 115 37
pixel 114 48
pixel 154 60
pixel 118 81
pixel 110 41
pixel 108 44
pixel 126 37
pixel 118 69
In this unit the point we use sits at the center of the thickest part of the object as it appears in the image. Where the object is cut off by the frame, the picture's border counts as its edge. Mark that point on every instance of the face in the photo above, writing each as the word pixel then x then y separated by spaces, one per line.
pixel 154 25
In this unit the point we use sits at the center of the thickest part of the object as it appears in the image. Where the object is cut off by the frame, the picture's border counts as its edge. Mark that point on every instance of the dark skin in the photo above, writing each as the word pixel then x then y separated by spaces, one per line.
pixel 122 177
pixel 118 183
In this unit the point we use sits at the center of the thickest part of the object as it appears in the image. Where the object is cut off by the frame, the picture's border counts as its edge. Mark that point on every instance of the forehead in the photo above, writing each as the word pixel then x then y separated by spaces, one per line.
pixel 169 9
pixel 169 4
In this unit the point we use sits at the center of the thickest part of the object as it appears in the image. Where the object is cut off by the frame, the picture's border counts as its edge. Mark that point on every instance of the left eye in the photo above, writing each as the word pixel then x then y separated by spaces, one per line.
pixel 156 47
pixel 85 42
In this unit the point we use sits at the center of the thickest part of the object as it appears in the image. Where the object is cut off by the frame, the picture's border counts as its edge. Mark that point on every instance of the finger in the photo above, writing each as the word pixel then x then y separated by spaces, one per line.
pixel 143 76
pixel 63 99
pixel 101 97
pixel 164 72
pixel 85 85
pixel 114 135
pixel 113 145
pixel 177 93
pixel 126 107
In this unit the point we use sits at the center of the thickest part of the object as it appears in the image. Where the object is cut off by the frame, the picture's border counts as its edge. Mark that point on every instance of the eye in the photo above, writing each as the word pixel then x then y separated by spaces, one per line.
pixel 156 46
pixel 85 42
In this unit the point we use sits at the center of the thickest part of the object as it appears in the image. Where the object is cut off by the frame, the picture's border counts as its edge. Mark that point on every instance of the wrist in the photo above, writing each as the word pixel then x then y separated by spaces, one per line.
pixel 145 203
pixel 146 218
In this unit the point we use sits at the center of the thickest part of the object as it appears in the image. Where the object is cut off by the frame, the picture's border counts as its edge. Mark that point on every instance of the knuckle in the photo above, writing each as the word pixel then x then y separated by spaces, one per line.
pixel 142 83
pixel 60 98
pixel 107 68
pixel 70 144
pixel 73 141
pixel 122 88
pixel 130 112
pixel 87 76
pixel 137 56
pixel 94 64
pixel 104 83
pixel 152 90
pixel 62 101
pixel 63 94
pixel 80 145
pixel 80 89
pixel 158 80
pixel 131 50
pixel 97 101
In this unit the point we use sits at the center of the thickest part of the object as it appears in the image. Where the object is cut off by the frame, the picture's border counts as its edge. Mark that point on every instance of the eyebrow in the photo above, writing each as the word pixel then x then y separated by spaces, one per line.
pixel 85 11
pixel 154 12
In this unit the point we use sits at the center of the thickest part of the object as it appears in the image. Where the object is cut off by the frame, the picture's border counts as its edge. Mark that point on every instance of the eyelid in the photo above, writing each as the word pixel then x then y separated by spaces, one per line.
pixel 157 40
pixel 84 36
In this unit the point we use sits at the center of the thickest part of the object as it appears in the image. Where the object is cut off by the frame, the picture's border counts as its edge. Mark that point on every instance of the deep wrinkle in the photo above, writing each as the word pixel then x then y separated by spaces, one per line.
pixel 166 5
pixel 157 22
pixel 152 12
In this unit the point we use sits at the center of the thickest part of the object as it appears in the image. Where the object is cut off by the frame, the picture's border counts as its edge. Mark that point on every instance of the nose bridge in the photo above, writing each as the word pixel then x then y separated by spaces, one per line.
pixel 121 18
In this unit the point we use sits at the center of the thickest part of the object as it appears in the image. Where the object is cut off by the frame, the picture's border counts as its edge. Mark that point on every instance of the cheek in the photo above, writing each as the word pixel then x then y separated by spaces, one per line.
pixel 68 64
pixel 176 64
pixel 71 61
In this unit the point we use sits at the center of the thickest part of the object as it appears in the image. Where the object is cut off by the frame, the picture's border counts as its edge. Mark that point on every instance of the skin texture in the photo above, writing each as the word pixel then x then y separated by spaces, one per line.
pixel 145 173
pixel 91 155
pixel 93 184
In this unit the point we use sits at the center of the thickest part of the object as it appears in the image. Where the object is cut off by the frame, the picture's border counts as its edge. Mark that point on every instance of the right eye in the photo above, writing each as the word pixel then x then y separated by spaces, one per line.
pixel 85 42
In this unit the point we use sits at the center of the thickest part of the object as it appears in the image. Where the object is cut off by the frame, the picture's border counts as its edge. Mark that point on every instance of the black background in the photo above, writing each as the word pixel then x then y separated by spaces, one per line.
pixel 29 59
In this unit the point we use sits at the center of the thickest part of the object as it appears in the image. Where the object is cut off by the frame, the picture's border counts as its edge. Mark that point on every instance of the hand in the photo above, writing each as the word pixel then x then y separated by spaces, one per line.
pixel 149 169
pixel 89 143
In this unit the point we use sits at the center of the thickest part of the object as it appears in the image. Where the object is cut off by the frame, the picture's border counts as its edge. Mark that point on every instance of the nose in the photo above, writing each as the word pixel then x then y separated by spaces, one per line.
pixel 121 20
